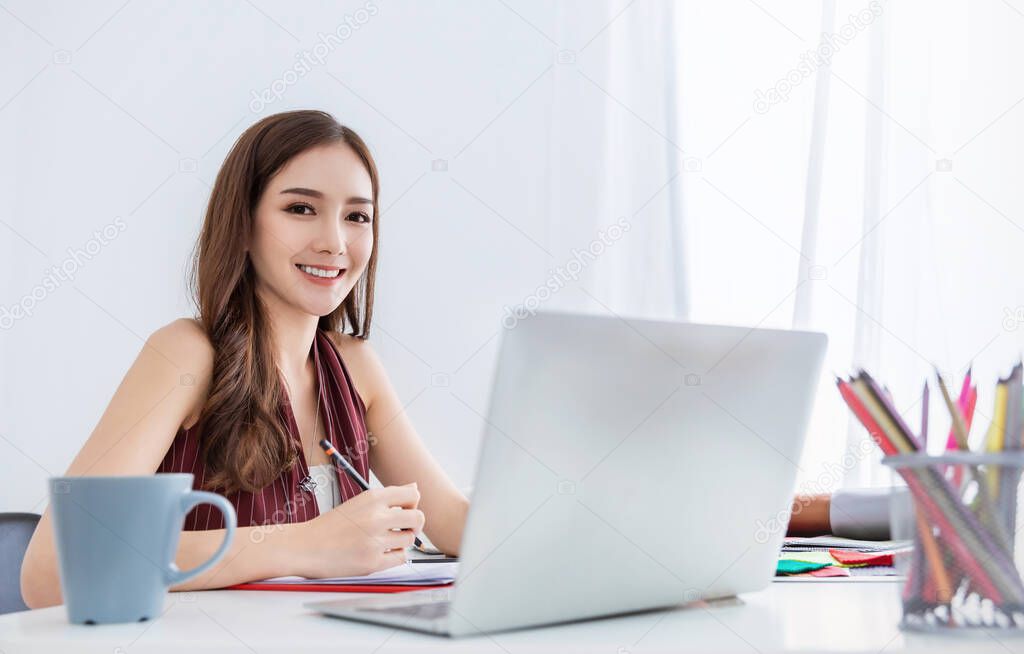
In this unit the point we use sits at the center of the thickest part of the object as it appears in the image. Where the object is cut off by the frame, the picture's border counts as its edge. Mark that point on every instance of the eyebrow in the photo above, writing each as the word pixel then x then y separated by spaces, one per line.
pixel 313 193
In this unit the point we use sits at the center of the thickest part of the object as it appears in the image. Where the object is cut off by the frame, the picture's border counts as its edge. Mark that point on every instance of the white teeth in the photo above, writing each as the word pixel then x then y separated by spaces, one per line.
pixel 319 273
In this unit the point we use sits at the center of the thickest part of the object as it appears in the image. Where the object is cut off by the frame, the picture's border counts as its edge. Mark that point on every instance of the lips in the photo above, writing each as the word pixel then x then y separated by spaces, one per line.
pixel 306 271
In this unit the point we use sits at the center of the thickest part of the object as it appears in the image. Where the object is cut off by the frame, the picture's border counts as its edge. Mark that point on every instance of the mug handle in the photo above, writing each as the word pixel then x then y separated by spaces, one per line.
pixel 174 576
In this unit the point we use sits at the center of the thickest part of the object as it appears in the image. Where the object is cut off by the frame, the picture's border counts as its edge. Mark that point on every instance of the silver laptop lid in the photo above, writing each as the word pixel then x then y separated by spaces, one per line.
pixel 629 464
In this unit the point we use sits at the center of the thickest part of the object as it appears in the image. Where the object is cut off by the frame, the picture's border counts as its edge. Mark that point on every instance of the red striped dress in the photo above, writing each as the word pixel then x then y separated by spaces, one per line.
pixel 284 501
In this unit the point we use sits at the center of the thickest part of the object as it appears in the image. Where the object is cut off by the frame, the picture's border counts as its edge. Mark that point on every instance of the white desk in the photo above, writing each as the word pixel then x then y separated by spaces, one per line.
pixel 810 616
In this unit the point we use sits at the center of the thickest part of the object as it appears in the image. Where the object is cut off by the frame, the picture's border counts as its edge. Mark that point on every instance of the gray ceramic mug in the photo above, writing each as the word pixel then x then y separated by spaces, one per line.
pixel 117 538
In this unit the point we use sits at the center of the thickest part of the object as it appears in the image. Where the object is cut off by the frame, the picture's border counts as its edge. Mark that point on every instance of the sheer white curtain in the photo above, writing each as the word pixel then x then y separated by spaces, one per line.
pixel 615 160
pixel 881 209
pixel 926 119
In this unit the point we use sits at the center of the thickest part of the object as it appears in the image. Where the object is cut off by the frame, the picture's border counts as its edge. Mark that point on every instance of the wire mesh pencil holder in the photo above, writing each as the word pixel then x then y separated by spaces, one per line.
pixel 963 574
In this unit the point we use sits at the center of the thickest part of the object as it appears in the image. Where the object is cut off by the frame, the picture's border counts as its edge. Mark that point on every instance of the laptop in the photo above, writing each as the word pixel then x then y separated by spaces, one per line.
pixel 626 465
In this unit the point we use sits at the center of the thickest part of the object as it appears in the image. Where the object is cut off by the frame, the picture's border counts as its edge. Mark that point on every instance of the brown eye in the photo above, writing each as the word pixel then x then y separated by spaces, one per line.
pixel 299 209
pixel 360 217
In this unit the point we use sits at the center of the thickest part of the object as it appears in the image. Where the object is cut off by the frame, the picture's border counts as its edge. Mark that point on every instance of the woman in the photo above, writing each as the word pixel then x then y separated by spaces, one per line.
pixel 283 276
pixel 240 398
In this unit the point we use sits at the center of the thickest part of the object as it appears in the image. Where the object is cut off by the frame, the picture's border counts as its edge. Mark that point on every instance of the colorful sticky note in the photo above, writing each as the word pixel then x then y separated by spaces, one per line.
pixel 789 567
pixel 809 557
pixel 831 571
pixel 857 559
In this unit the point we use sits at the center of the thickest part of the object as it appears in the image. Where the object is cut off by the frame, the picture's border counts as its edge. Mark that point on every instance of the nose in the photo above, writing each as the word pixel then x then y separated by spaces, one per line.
pixel 332 237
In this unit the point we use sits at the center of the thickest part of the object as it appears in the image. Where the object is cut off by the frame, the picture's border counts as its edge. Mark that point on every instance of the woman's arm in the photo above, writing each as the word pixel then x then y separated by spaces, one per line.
pixel 810 515
pixel 164 386
pixel 859 513
pixel 255 553
pixel 398 454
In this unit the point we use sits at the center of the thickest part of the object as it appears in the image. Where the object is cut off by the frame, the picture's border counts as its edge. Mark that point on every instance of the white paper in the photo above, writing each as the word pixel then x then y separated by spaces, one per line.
pixel 845 544
pixel 427 573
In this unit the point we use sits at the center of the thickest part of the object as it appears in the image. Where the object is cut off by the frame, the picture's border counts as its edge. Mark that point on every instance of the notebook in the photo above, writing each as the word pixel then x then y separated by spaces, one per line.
pixel 418 575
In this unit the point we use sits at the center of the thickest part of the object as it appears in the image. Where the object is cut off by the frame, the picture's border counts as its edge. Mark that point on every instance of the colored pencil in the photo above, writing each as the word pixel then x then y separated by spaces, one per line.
pixel 966 555
pixel 943 587
pixel 986 505
pixel 949 499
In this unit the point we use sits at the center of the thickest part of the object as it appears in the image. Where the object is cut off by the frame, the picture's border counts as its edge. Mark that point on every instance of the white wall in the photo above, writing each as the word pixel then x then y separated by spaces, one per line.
pixel 104 108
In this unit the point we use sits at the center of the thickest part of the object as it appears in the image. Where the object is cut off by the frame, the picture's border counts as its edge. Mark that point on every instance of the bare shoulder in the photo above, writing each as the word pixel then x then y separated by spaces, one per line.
pixel 362 363
pixel 157 396
pixel 184 344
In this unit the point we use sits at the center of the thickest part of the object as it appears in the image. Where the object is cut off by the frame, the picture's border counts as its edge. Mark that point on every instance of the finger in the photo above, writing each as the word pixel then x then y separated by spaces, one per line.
pixel 406 497
pixel 404 519
pixel 397 539
pixel 392 558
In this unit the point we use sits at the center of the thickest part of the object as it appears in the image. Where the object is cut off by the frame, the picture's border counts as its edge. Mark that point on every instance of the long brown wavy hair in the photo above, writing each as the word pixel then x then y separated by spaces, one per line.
pixel 244 438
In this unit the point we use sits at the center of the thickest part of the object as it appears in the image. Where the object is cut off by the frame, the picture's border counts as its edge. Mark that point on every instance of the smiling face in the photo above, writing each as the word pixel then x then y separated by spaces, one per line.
pixel 313 232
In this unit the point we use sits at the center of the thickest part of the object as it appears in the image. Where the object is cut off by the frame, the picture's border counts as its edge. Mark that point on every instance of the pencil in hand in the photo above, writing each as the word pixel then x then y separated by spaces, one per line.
pixel 332 452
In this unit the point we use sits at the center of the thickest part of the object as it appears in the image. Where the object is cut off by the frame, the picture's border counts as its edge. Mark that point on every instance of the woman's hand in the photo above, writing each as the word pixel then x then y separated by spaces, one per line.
pixel 358 536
